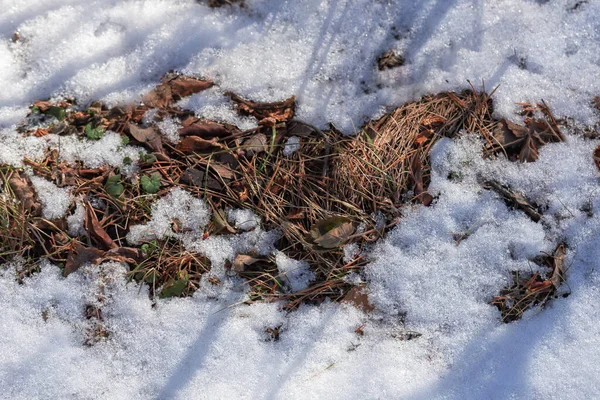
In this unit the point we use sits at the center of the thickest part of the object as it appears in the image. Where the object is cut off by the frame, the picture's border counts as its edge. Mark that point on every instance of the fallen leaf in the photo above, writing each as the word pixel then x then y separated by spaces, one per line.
pixel 597 156
pixel 220 224
pixel 242 261
pixel 359 298
pixel 332 232
pixel 204 130
pixel 175 287
pixel 183 86
pixel 390 60
pixel 23 189
pixel 191 144
pixel 148 136
pixel 523 142
pixel 558 259
pixel 93 228
pixel 255 144
pixel 81 255
pixel 222 170
pixel 267 113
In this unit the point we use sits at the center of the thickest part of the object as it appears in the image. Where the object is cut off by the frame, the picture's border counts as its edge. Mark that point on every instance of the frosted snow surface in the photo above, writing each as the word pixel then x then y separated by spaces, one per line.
pixel 421 281
pixel 324 52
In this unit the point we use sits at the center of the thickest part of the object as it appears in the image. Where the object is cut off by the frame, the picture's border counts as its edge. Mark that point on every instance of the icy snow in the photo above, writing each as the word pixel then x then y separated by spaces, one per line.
pixel 55 201
pixel 214 346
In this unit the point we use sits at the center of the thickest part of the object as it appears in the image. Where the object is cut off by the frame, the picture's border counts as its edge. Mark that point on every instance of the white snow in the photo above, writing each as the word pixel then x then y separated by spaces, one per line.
pixel 214 345
pixel 55 201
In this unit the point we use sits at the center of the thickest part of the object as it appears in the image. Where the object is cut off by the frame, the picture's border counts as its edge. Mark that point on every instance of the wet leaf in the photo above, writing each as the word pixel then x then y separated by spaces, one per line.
pixel 113 186
pixel 150 184
pixel 358 297
pixel 332 232
pixel 597 156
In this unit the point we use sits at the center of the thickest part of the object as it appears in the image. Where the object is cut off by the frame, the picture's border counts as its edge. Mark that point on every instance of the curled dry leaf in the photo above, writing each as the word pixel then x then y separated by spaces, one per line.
pixel 332 232
pixel 558 260
pixel 268 114
pixel 597 156
pixel 23 189
pixel 204 130
pixel 255 144
pixel 391 59
pixel 95 230
pixel 242 261
pixel 523 142
pixel 417 178
pixel 191 144
pixel 174 88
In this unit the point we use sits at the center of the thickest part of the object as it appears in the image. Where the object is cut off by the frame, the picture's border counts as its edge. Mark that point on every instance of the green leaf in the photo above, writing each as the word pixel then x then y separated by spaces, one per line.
pixel 147 158
pixel 35 110
pixel 57 112
pixel 113 186
pixel 93 133
pixel 149 248
pixel 124 140
pixel 150 184
pixel 127 161
pixel 175 287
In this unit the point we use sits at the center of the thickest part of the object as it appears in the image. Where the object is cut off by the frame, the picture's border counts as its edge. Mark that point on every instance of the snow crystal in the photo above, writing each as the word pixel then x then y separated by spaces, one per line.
pixel 178 207
pixel 169 127
pixel 55 201
pixel 296 274
pixel 243 219
pixel 76 219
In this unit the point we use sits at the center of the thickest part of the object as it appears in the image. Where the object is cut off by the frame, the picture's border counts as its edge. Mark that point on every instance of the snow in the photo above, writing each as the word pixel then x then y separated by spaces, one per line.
pixel 214 345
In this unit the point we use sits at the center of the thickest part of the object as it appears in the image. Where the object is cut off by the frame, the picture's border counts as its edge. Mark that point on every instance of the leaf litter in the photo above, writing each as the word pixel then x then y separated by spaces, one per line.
pixel 333 191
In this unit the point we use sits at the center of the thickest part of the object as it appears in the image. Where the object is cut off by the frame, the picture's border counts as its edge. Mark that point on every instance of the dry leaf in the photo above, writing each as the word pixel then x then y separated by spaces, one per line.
pixel 191 144
pixel 242 261
pixel 597 156
pixel 148 136
pixel 81 255
pixel 204 130
pixel 390 60
pixel 93 228
pixel 558 272
pixel 332 232
pixel 268 114
pixel 21 186
pixel 516 200
pixel 255 144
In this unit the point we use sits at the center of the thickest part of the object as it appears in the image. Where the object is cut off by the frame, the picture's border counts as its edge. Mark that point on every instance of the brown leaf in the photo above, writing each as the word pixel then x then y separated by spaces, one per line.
pixel 93 228
pixel 268 114
pixel 222 170
pixel 23 189
pixel 332 232
pixel 558 273
pixel 159 97
pixel 148 136
pixel 204 130
pixel 390 60
pixel 81 255
pixel 523 142
pixel 255 144
pixel 183 86
pixel 242 261
pixel 124 254
pixel 42 105
pixel 597 156
pixel 358 297
pixel 191 144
